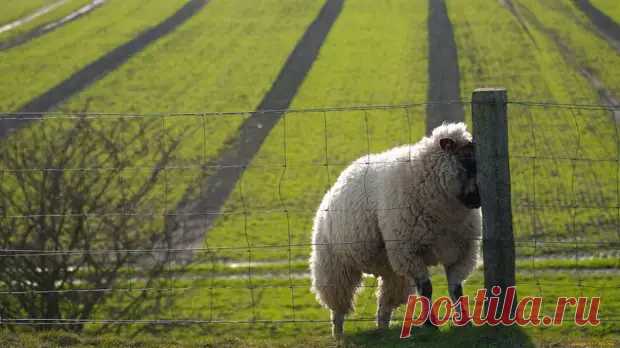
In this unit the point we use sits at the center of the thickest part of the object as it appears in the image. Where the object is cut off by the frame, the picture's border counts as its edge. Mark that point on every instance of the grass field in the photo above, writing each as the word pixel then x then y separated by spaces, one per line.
pixel 564 161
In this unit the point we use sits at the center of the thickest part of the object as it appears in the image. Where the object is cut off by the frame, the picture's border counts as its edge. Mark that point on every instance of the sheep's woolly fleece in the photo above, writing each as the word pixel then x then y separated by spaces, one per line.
pixel 392 214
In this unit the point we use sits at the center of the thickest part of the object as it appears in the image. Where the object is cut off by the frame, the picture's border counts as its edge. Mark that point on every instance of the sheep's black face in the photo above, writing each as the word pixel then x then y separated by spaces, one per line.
pixel 469 195
pixel 464 187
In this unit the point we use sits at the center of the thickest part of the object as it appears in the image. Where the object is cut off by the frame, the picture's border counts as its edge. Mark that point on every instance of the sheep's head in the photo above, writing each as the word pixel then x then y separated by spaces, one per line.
pixel 458 170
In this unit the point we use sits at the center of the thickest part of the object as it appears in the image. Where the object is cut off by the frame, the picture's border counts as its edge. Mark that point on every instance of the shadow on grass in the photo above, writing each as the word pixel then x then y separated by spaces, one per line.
pixel 453 337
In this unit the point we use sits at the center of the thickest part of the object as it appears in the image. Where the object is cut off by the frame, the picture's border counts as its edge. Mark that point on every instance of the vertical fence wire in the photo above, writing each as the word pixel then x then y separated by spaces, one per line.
pixel 284 208
pixel 573 208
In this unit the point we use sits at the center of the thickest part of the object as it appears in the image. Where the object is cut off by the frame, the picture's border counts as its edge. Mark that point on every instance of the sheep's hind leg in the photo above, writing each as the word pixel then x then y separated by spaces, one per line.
pixel 337 324
pixel 406 260
pixel 393 291
pixel 337 291
pixel 341 292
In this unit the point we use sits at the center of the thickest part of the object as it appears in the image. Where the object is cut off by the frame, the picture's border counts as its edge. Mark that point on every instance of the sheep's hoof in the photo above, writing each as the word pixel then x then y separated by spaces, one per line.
pixel 430 325
pixel 383 325
pixel 338 335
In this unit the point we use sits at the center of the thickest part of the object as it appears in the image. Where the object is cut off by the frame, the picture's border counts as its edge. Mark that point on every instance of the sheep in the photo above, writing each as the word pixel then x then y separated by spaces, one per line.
pixel 392 215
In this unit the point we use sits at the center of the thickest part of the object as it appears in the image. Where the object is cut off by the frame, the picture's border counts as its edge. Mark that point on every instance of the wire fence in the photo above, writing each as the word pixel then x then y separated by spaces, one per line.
pixel 159 219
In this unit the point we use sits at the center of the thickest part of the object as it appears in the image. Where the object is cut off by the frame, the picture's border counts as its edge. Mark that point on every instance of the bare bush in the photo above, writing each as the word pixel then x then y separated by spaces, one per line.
pixel 73 197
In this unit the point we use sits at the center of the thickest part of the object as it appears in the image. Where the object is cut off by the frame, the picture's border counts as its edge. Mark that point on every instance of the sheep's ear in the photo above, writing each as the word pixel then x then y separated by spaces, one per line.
pixel 447 144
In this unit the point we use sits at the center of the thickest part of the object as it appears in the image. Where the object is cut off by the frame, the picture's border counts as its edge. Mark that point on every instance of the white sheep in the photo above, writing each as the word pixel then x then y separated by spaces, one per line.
pixel 394 214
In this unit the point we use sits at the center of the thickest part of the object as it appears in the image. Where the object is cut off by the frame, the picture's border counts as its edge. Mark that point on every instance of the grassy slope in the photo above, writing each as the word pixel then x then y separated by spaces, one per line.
pixel 48 60
pixel 610 7
pixel 16 9
pixel 346 73
pixel 51 16
pixel 495 50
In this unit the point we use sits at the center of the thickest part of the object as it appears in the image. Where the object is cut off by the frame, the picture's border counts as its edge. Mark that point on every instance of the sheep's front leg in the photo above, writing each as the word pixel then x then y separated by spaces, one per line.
pixel 459 271
pixel 456 274
pixel 425 289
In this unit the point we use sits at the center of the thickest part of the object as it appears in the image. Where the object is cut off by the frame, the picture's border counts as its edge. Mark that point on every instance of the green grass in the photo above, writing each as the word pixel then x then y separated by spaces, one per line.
pixel 494 50
pixel 67 339
pixel 467 337
pixel 609 7
pixel 346 73
pixel 223 59
pixel 16 9
pixel 56 14
pixel 273 300
pixel 574 29
pixel 46 61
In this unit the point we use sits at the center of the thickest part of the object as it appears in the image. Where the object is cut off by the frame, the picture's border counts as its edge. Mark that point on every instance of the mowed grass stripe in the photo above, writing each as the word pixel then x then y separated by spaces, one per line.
pixel 609 8
pixel 495 50
pixel 574 34
pixel 606 21
pixel 283 185
pixel 13 10
pixel 46 24
pixel 39 65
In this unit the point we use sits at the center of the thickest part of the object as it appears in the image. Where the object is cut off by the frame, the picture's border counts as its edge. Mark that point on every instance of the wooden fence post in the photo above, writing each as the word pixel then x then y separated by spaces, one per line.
pixel 490 126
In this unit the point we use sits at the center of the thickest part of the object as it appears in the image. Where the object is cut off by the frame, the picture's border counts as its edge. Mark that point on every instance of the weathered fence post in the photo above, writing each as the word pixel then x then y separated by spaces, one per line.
pixel 491 137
